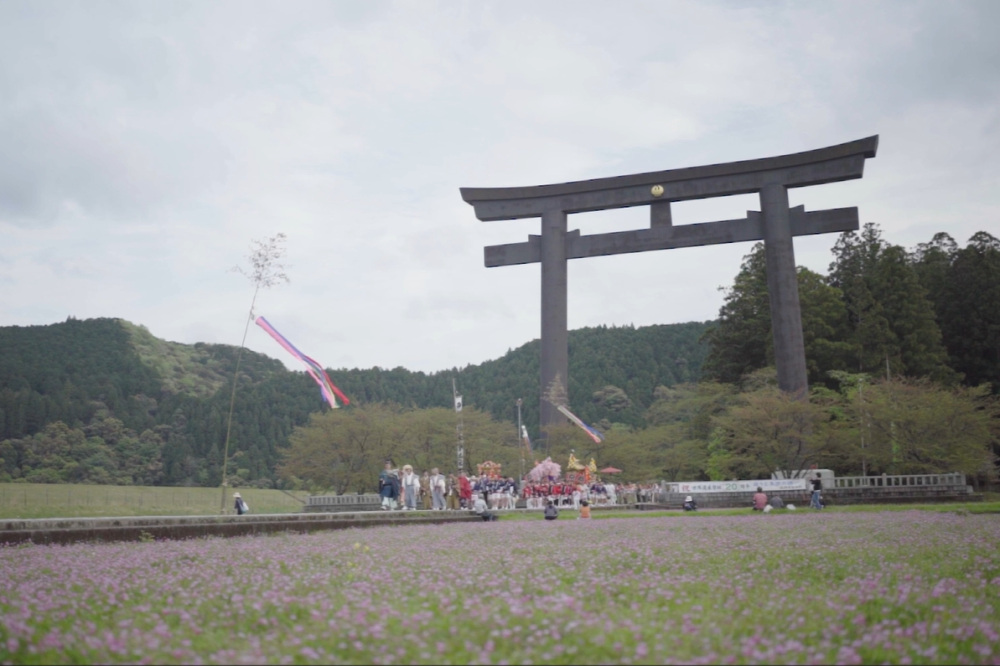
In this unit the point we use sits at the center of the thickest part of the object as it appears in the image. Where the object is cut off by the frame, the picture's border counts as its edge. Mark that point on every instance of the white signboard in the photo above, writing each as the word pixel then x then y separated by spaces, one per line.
pixel 768 485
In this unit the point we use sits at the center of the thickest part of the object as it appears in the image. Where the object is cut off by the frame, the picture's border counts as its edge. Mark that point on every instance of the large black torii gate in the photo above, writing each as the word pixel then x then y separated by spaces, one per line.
pixel 776 224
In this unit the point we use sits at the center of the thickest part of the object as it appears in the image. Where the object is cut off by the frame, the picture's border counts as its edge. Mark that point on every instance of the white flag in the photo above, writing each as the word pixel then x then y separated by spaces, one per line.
pixel 458 403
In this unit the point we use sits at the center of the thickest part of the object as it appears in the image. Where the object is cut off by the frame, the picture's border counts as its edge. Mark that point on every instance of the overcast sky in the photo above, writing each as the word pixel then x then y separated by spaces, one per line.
pixel 144 145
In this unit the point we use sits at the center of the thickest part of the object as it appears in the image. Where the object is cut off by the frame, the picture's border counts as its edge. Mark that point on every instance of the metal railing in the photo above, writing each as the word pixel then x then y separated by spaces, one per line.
pixel 901 481
pixel 343 500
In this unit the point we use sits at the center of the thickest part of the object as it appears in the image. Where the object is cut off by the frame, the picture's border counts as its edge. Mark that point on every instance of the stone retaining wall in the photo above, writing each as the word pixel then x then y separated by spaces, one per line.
pixel 72 530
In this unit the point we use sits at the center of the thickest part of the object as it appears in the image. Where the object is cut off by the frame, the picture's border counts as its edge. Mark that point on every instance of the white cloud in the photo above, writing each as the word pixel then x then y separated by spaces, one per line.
pixel 143 146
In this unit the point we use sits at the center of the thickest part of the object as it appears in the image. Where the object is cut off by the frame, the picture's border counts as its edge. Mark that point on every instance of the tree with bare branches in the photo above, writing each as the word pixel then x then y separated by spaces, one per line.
pixel 265 270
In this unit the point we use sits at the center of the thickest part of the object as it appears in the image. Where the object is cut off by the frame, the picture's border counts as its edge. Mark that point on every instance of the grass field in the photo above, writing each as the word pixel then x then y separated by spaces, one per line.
pixel 44 500
pixel 846 587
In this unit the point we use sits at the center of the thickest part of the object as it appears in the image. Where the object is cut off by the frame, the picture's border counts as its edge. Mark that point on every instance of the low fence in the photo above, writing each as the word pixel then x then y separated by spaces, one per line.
pixel 338 503
pixel 954 479
pixel 886 489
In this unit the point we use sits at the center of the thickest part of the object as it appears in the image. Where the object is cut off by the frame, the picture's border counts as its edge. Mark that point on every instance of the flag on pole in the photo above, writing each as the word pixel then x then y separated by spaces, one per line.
pixel 525 438
pixel 315 370
pixel 594 434
pixel 458 403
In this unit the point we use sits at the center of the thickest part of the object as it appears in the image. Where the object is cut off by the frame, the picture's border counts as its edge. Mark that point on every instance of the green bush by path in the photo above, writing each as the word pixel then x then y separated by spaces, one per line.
pixel 43 500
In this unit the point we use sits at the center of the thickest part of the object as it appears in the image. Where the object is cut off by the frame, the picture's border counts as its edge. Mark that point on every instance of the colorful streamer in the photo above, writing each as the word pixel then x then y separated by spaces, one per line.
pixel 594 434
pixel 315 370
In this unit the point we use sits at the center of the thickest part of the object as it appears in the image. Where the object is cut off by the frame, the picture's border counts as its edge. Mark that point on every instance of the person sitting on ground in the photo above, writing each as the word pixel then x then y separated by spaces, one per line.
pixel 759 499
pixel 551 512
pixel 777 503
pixel 480 507
pixel 690 504
pixel 584 509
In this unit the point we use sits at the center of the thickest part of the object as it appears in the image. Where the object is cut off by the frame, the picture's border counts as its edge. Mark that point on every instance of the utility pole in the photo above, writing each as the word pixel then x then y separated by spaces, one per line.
pixel 520 438
pixel 460 449
pixel 861 400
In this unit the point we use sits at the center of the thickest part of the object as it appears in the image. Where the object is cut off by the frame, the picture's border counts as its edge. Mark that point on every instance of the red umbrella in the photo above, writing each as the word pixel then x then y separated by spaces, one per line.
pixel 611 470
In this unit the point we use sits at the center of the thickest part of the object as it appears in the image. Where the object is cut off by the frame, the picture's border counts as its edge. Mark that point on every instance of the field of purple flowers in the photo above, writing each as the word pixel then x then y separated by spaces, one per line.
pixel 899 587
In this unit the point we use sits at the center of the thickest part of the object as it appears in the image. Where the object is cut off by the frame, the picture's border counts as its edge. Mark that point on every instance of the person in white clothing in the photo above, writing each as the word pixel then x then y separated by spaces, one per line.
pixel 438 485
pixel 411 488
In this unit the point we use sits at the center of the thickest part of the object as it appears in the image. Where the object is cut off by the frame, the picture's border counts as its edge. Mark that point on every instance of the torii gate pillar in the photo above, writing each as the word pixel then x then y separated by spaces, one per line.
pixel 783 290
pixel 776 224
pixel 554 359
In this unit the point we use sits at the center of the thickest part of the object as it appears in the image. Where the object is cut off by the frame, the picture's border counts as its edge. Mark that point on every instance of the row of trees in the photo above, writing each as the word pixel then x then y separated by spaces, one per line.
pixel 933 312
pixel 693 431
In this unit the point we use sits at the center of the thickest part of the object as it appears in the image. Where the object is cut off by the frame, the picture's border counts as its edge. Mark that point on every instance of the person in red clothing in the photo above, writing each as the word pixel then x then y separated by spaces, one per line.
pixel 465 491
pixel 759 499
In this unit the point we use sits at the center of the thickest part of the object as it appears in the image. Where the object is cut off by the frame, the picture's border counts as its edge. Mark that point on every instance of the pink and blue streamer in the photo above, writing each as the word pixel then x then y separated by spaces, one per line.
pixel 591 431
pixel 315 370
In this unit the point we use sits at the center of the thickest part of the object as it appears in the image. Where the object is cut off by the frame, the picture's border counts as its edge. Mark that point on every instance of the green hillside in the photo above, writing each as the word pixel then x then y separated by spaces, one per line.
pixel 105 401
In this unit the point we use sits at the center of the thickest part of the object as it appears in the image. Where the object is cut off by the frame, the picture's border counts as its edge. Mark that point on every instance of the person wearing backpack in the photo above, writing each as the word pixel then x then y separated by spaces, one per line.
pixel 240 506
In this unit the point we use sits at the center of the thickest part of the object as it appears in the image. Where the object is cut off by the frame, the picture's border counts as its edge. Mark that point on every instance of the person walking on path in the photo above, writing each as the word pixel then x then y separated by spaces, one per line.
pixel 465 491
pixel 240 506
pixel 816 499
pixel 425 490
pixel 453 501
pixel 438 485
pixel 388 487
pixel 411 488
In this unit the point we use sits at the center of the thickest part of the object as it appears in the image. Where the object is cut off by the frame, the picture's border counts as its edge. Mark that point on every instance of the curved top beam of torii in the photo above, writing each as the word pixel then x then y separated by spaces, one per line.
pixel 814 167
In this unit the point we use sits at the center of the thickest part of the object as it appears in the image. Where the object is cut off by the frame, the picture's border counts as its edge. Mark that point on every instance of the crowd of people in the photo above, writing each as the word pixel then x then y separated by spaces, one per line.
pixel 568 494
pixel 402 488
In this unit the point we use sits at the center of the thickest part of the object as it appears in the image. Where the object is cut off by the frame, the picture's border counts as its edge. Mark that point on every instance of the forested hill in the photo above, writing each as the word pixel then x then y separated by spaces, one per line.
pixel 104 401
pixel 633 360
